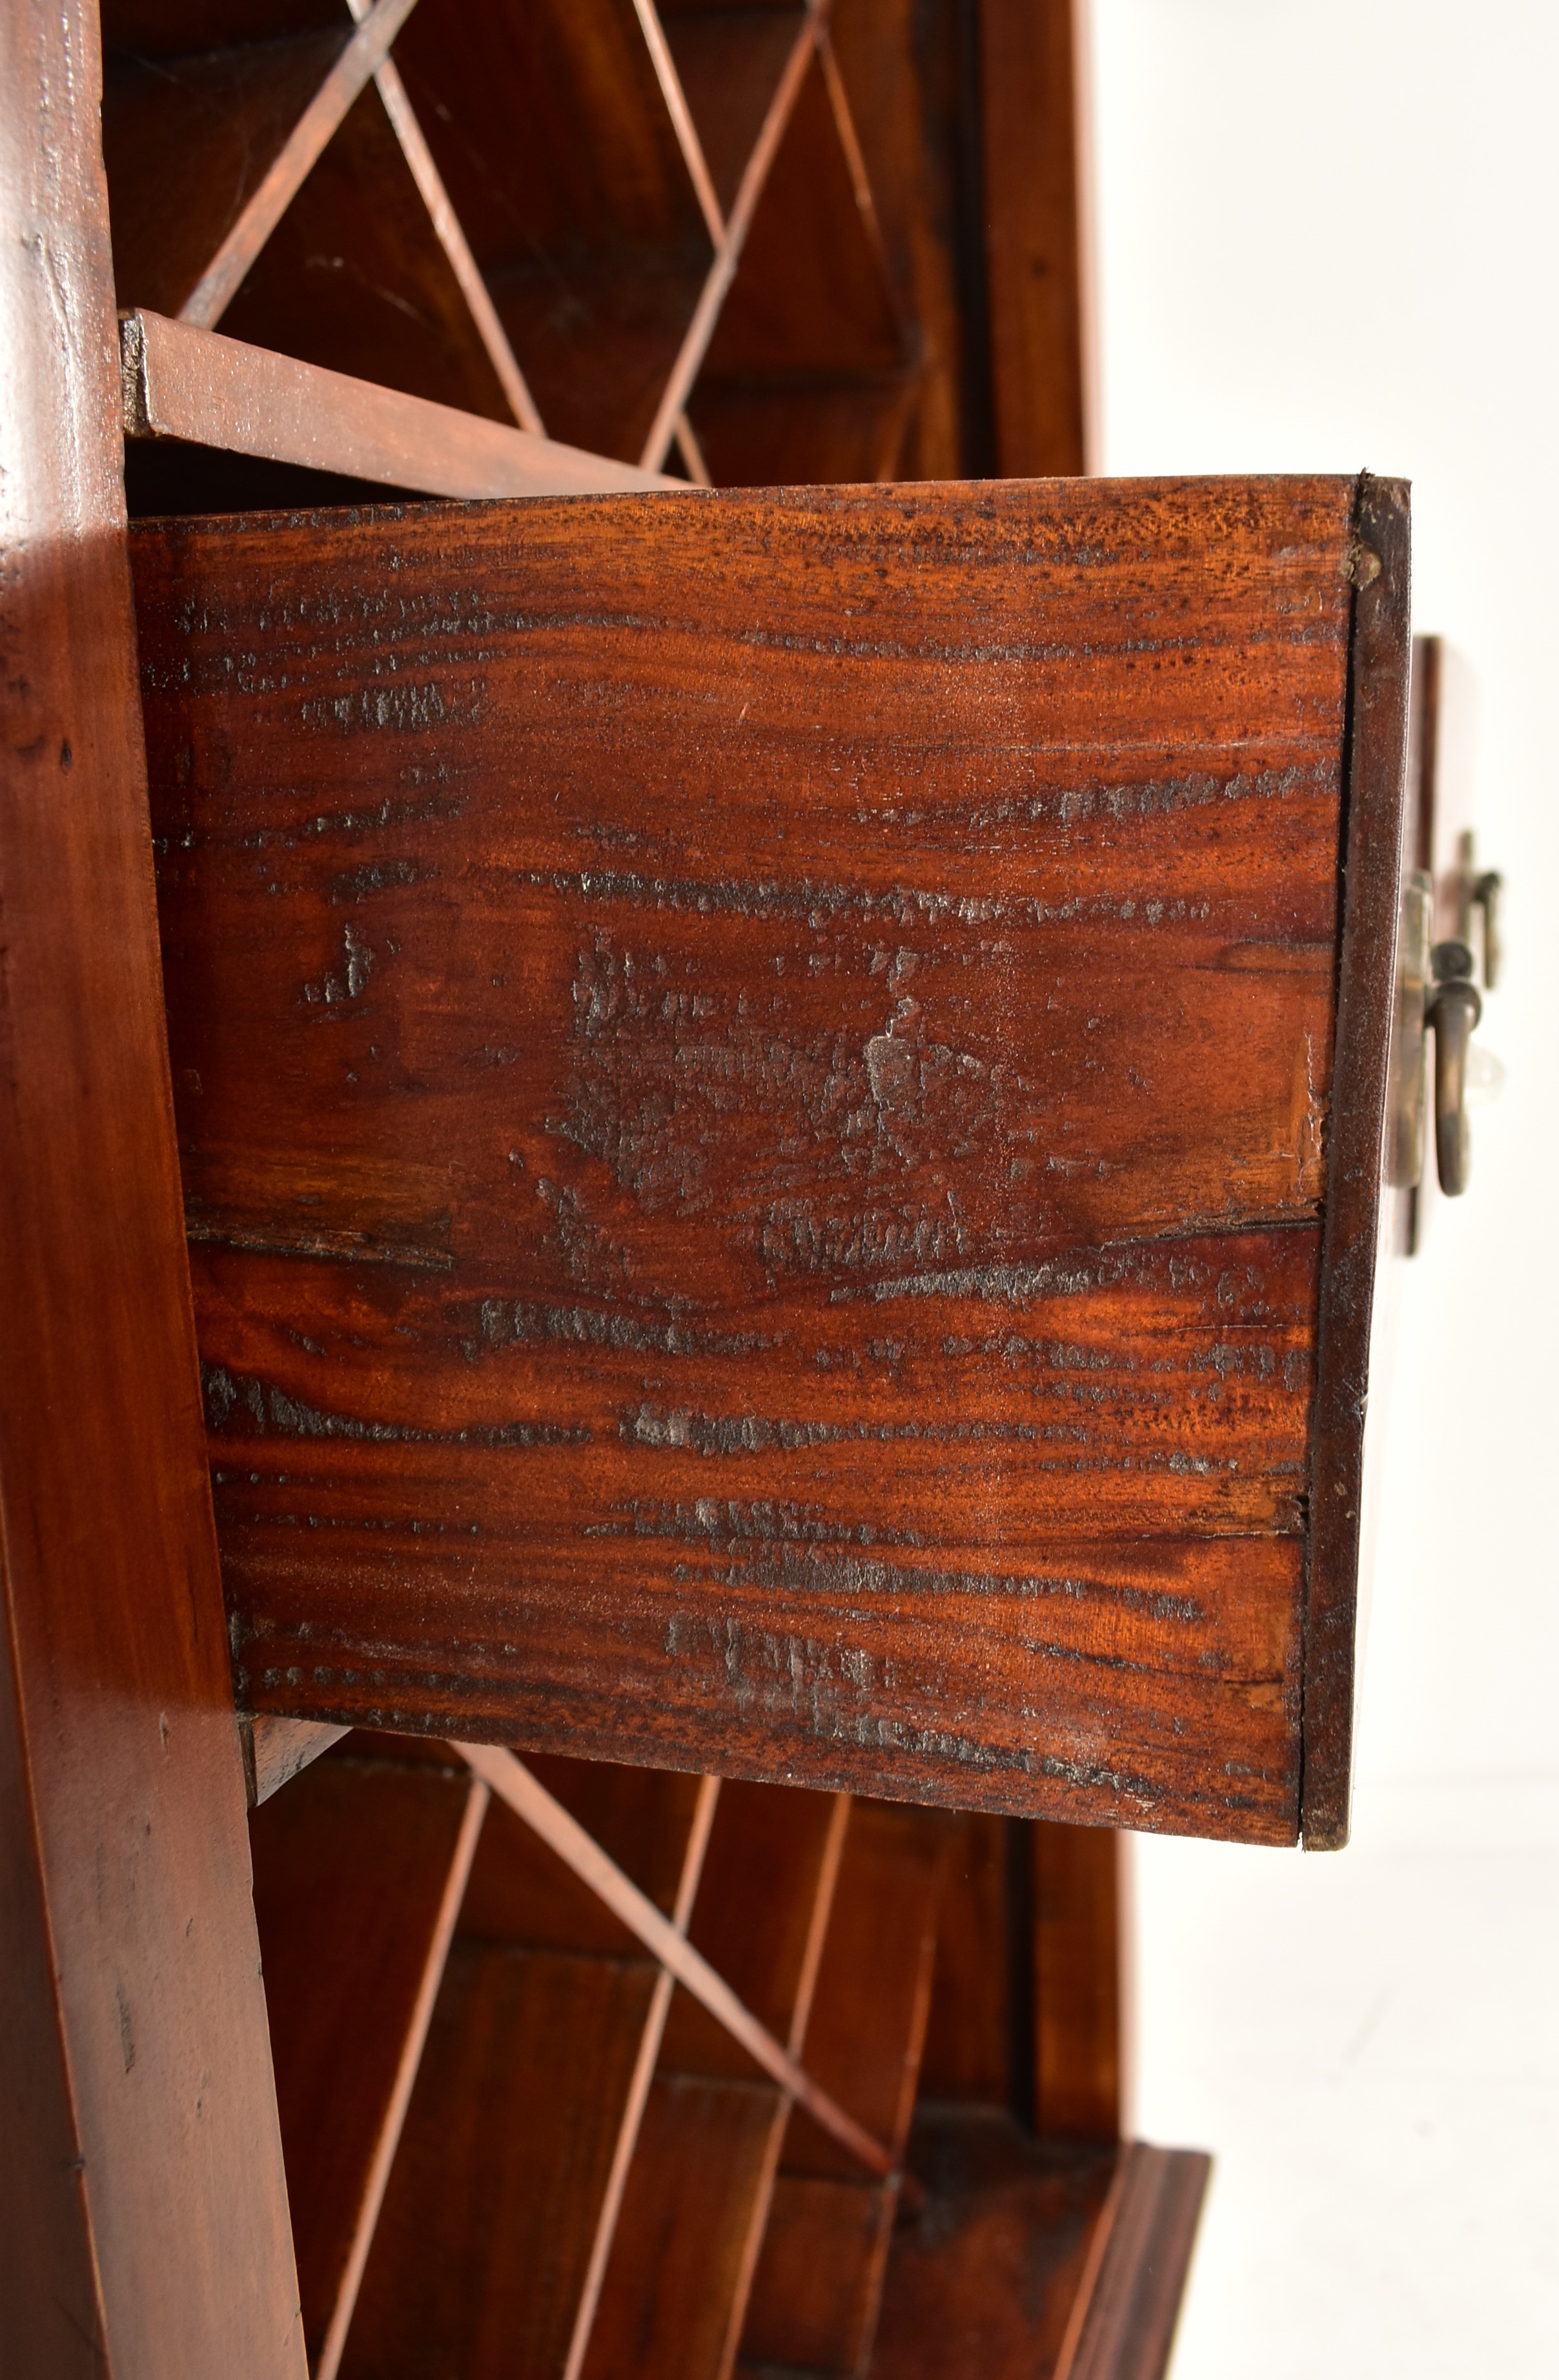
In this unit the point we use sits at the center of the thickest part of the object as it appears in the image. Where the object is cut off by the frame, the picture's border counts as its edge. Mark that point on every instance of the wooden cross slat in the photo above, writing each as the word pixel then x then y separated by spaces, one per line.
pixel 361 58
pixel 366 57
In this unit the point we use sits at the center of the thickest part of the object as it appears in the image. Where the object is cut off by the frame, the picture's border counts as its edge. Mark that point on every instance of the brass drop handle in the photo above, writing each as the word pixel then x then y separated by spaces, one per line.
pixel 1454 1007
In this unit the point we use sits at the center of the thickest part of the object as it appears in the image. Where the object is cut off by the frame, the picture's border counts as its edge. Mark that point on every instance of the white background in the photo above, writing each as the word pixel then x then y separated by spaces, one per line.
pixel 1327 236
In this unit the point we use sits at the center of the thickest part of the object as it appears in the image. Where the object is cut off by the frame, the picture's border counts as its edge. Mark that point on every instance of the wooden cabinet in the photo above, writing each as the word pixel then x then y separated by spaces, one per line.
pixel 756 1112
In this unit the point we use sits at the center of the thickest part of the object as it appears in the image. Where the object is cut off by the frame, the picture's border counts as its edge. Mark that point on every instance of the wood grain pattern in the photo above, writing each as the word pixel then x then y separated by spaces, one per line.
pixel 496 2198
pixel 548 127
pixel 491 2210
pixel 143 2225
pixel 1125 2327
pixel 210 391
pixel 968 2054
pixel 753 1078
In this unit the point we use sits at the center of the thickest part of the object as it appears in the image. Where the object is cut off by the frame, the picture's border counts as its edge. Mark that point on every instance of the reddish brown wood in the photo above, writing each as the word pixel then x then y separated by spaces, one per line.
pixel 823 1143
pixel 355 278
pixel 520 1891
pixel 276 1750
pixel 818 2277
pixel 808 376
pixel 360 59
pixel 969 2048
pixel 487 2224
pixel 985 2279
pixel 729 62
pixel 511 1782
pixel 1371 848
pixel 143 2224
pixel 548 127
pixel 639 2086
pixel 451 238
pixel 1124 2324
pixel 1076 1983
pixel 191 123
pixel 496 2195
pixel 693 2214
pixel 1028 109
pixel 360 1868
pixel 210 391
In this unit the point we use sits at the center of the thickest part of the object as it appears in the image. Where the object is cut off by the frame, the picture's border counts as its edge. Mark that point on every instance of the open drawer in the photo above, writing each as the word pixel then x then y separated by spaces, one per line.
pixel 779 1100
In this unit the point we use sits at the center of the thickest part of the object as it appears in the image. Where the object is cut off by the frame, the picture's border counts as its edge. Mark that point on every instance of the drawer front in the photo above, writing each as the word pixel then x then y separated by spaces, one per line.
pixel 758 1088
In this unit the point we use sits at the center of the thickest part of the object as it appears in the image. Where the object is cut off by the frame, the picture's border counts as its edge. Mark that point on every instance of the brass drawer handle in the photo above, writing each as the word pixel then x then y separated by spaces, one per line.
pixel 1454 1007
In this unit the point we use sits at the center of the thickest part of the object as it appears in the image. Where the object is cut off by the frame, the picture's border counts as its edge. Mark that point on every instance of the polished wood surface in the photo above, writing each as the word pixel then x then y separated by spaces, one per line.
pixel 143 2223
pixel 1031 183
pixel 1076 1915
pixel 672 1132
pixel 698 2201
pixel 1123 2323
pixel 1031 2261
pixel 196 386
pixel 825 1131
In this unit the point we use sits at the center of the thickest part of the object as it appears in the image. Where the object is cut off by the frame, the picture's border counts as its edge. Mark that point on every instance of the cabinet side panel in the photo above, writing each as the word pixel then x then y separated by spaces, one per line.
pixel 153 2238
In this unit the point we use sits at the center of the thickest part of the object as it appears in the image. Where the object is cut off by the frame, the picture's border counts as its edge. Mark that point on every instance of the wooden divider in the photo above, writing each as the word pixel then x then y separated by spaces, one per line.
pixel 358 1872
pixel 485 2243
pixel 697 2197
pixel 819 2275
pixel 265 184
pixel 596 2179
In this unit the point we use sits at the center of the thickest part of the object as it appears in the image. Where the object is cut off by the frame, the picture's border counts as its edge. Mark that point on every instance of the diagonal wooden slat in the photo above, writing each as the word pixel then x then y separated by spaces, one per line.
pixel 639 2087
pixel 691 453
pixel 451 237
pixel 406 2075
pixel 361 58
pixel 722 273
pixel 530 1799
pixel 844 122
pixel 177 382
pixel 681 116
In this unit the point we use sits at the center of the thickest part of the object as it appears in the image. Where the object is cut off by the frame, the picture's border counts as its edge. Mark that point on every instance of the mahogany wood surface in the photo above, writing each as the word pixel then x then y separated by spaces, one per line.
pixel 358 1871
pixel 143 2223
pixel 969 2046
pixel 496 2195
pixel 820 1136
pixel 206 390
pixel 818 2277
pixel 697 2202
pixel 756 1184
pixel 1077 1963
pixel 1028 90
pixel 275 1750
pixel 487 2220
pixel 986 2276
pixel 1125 2327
